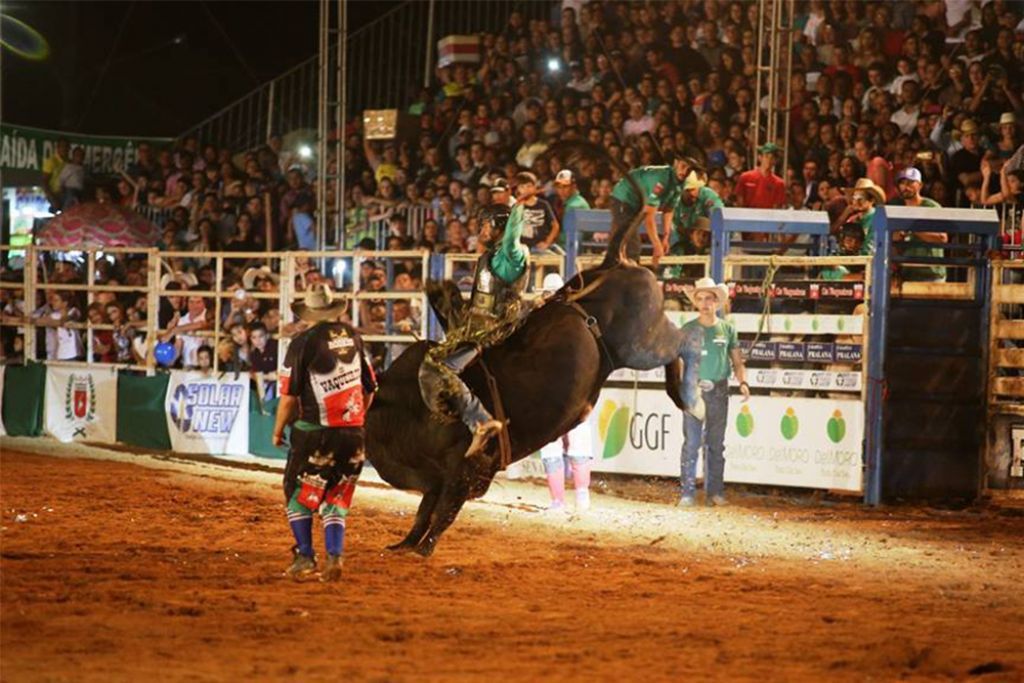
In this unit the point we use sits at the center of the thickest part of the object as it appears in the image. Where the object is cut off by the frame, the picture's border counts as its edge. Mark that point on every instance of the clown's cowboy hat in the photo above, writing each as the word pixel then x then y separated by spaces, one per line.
pixel 869 187
pixel 319 304
pixel 706 284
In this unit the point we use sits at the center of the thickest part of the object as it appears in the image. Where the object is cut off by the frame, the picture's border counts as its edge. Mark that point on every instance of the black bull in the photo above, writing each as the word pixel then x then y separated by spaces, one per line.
pixel 549 374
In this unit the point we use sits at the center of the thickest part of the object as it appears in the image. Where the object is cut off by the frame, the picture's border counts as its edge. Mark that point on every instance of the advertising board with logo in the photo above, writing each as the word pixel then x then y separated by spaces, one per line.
pixel 208 415
pixel 785 441
pixel 81 404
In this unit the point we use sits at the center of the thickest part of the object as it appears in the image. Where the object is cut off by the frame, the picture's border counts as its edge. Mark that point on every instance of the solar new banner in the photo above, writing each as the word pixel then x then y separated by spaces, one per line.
pixel 206 414
pixel 81 404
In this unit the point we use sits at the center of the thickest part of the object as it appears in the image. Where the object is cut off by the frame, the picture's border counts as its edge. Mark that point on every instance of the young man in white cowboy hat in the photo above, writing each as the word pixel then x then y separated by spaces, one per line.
pixel 865 195
pixel 327 383
pixel 720 356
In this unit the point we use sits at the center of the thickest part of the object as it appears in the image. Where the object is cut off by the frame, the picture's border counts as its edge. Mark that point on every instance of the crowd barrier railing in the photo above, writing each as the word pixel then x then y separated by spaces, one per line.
pixel 1006 339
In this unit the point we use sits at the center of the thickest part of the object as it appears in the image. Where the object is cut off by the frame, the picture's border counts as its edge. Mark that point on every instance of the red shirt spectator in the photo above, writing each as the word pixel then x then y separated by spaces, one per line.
pixel 761 188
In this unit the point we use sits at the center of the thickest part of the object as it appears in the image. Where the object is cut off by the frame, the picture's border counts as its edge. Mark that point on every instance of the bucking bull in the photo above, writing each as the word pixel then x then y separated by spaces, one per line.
pixel 548 374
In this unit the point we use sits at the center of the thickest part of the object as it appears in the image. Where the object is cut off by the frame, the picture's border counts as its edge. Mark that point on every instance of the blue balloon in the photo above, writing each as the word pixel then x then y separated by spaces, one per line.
pixel 164 353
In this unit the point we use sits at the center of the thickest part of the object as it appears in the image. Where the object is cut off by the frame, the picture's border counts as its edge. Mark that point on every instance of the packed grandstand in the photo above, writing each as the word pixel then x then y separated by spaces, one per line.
pixel 879 93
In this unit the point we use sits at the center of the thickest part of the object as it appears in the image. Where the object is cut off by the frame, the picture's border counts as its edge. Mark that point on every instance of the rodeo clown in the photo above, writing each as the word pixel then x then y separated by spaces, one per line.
pixel 494 312
pixel 326 382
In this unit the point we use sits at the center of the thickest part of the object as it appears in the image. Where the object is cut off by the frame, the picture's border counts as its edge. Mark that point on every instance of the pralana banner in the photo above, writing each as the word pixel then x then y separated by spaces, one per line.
pixel 806 442
pixel 24 149
pixel 81 404
pixel 206 414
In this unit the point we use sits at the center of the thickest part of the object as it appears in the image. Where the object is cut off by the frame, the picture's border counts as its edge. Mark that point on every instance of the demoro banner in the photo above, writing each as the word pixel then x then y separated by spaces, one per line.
pixel 81 404
pixel 808 442
pixel 207 414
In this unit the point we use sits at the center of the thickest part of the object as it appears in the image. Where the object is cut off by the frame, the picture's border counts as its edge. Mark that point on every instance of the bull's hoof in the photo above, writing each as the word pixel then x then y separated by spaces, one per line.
pixel 425 549
pixel 401 547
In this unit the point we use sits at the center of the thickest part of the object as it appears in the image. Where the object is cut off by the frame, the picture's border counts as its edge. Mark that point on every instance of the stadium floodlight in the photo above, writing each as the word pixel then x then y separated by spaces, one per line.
pixel 554 64
pixel 306 152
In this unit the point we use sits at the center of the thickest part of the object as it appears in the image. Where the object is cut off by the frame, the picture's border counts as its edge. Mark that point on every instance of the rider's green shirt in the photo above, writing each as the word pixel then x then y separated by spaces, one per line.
pixel 657 183
pixel 511 257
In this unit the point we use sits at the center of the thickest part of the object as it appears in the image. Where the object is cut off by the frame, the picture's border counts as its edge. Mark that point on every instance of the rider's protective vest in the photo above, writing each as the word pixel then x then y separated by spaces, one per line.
pixel 492 297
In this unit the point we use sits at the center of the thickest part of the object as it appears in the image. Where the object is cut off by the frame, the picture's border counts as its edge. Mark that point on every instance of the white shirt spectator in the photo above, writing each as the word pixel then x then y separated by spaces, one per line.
pixel 72 177
pixel 68 342
pixel 645 124
pixel 190 343
pixel 906 120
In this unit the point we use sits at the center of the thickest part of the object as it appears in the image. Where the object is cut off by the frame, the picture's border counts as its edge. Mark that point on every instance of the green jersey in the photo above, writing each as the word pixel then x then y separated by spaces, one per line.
pixel 865 222
pixel 657 183
pixel 718 341
pixel 511 256
pixel 576 201
pixel 918 247
pixel 707 201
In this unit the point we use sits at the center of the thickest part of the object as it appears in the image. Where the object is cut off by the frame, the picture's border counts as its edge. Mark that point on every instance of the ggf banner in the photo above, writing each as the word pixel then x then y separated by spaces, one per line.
pixel 810 442
pixel 81 404
pixel 208 415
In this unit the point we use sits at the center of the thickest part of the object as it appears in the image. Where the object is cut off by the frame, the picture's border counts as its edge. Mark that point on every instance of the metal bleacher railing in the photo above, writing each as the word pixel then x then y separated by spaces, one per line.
pixel 386 78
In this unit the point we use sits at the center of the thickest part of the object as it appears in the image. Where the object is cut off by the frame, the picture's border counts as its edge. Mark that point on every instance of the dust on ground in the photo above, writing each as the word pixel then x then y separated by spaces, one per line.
pixel 135 567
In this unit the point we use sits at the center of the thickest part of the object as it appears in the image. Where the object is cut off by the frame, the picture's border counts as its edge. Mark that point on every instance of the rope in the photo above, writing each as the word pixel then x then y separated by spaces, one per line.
pixel 767 287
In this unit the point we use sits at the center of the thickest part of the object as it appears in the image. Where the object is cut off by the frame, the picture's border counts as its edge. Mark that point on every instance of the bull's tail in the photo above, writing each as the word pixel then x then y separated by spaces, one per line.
pixel 573 154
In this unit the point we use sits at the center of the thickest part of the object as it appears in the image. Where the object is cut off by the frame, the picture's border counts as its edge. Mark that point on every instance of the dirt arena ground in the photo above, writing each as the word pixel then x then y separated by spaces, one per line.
pixel 137 568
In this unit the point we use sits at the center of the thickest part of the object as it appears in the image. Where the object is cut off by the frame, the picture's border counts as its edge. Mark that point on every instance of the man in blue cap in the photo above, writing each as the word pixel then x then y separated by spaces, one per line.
pixel 908 182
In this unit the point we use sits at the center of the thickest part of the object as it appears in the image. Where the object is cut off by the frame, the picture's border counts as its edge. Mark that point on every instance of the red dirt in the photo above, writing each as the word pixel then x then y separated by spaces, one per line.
pixel 119 572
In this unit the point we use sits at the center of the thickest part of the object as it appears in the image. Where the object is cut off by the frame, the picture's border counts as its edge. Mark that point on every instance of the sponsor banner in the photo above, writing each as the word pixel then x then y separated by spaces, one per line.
pixel 23 148
pixel 208 415
pixel 812 290
pixel 801 352
pixel 81 404
pixel 814 443
pixel 806 380
pixel 3 371
pixel 783 323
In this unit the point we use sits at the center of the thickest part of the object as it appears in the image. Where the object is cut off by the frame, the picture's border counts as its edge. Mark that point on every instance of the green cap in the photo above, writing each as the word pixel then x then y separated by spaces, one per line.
pixel 769 148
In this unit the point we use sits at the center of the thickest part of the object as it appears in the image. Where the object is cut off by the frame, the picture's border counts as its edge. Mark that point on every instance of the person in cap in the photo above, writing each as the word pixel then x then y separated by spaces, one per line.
pixel 761 188
pixel 649 189
pixel 908 182
pixel 696 202
pixel 494 312
pixel 501 194
pixel 568 193
pixel 540 225
pixel 865 195
pixel 569 455
pixel 719 357
pixel 326 384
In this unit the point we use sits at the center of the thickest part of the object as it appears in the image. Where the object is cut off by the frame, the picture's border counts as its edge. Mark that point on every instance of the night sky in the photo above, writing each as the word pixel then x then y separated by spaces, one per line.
pixel 152 85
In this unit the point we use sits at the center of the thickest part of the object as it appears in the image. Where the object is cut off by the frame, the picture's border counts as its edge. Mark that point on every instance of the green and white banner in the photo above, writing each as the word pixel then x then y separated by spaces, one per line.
pixel 81 404
pixel 24 149
pixel 785 441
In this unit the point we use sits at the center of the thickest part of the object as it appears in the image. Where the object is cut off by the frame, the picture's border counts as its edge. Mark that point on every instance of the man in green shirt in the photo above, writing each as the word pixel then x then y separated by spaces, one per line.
pixel 696 201
pixel 659 191
pixel 501 274
pixel 720 356
pixel 908 182
pixel 569 194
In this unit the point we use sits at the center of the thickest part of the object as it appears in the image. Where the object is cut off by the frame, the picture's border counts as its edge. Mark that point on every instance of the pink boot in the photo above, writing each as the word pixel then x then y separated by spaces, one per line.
pixel 556 486
pixel 581 482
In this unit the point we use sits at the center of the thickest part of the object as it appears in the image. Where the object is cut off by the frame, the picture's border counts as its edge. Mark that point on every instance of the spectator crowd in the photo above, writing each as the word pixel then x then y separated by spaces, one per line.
pixel 914 102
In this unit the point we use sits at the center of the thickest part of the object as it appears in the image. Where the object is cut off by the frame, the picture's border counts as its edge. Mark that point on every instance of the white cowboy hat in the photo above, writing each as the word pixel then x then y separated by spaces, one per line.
pixel 319 304
pixel 706 284
pixel 552 283
pixel 186 279
pixel 250 275
pixel 868 186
